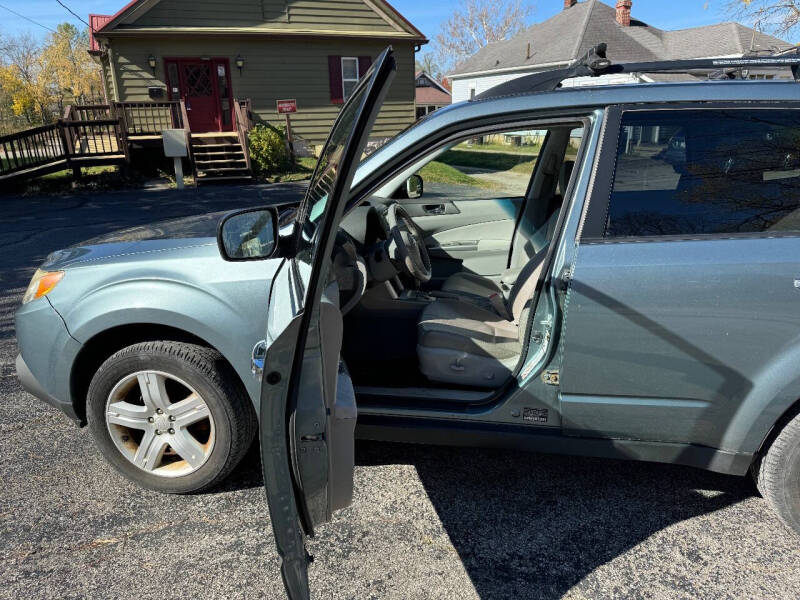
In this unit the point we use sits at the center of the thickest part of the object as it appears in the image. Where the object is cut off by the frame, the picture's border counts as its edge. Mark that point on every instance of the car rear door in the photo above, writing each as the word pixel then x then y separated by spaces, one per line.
pixel 308 409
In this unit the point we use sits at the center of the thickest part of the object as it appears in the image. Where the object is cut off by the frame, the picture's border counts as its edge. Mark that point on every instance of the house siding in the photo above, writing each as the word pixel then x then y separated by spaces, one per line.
pixel 274 69
pixel 310 15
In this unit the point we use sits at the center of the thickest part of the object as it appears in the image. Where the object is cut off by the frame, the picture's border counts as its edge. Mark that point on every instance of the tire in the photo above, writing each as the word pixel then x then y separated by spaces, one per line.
pixel 211 430
pixel 777 474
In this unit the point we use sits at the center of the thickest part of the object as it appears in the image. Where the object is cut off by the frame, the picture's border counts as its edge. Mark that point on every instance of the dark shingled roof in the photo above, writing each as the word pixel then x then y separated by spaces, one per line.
pixel 569 34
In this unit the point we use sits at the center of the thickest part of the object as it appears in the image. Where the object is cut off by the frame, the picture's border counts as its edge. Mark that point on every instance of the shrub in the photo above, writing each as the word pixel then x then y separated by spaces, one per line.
pixel 268 153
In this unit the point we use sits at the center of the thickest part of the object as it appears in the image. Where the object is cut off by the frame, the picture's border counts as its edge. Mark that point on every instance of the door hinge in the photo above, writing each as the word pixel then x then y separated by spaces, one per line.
pixel 550 377
pixel 562 281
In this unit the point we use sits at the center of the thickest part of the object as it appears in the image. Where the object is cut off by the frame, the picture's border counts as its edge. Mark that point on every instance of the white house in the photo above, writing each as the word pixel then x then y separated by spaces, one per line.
pixel 566 37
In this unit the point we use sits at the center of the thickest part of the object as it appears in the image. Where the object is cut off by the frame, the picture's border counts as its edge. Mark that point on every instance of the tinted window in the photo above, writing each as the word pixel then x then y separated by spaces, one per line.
pixel 706 171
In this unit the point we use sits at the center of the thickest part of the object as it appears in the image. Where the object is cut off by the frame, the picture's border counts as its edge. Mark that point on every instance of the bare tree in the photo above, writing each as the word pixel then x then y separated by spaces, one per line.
pixel 477 23
pixel 775 16
pixel 428 63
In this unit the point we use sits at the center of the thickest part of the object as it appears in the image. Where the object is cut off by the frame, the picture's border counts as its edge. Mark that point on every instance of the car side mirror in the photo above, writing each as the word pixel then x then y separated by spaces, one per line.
pixel 250 234
pixel 414 187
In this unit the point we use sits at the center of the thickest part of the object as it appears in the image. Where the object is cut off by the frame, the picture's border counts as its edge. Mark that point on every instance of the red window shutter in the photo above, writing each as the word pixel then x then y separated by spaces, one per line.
pixel 363 64
pixel 335 79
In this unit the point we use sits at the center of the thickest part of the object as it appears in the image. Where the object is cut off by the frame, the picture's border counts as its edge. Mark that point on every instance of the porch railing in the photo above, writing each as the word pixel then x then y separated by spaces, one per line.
pixel 88 112
pixel 242 123
pixel 150 118
pixel 31 148
pixel 94 138
pixel 69 142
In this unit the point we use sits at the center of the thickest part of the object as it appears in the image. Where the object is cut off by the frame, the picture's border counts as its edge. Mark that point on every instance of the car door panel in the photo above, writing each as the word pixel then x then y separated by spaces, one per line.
pixel 474 235
pixel 660 339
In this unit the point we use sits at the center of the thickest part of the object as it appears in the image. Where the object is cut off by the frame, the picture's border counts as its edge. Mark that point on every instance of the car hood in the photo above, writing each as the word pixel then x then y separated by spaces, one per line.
pixel 194 234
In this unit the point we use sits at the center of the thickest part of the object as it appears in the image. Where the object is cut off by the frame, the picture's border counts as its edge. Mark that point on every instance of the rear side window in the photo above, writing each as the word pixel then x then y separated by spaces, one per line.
pixel 689 172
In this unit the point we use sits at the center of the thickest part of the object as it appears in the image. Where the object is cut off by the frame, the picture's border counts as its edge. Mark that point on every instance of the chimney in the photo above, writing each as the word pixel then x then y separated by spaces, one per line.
pixel 624 12
pixel 569 3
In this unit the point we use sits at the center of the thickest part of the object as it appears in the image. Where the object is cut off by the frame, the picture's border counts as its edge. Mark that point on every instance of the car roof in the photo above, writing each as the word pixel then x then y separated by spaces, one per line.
pixel 581 98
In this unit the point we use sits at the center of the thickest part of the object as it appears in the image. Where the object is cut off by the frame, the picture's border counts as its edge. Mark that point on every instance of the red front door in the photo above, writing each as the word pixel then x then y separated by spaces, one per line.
pixel 204 86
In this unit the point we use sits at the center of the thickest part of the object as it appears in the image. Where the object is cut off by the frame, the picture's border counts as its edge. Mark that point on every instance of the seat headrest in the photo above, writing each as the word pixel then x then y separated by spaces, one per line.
pixel 564 174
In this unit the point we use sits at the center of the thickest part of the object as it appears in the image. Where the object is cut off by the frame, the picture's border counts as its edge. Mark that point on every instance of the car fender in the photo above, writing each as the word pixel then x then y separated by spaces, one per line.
pixel 775 390
pixel 228 315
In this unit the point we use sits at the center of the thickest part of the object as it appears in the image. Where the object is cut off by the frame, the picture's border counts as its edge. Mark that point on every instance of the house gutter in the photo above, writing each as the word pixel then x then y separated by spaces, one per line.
pixel 252 32
pixel 560 63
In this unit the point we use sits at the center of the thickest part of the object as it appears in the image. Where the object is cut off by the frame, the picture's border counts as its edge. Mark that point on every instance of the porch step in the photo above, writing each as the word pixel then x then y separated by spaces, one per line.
pixel 211 163
pixel 218 159
pixel 221 154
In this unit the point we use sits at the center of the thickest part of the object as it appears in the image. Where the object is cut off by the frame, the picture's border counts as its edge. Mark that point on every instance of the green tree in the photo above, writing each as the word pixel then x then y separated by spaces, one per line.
pixel 69 66
pixel 37 79
pixel 24 78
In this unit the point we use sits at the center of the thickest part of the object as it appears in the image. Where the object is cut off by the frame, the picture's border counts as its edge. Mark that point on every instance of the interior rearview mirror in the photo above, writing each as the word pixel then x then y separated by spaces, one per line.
pixel 414 186
pixel 248 234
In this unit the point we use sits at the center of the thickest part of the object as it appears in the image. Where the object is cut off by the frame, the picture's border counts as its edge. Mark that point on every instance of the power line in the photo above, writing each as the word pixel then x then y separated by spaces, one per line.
pixel 74 14
pixel 27 18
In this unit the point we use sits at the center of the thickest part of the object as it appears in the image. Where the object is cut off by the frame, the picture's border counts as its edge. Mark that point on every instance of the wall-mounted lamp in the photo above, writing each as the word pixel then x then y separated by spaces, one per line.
pixel 151 60
pixel 239 63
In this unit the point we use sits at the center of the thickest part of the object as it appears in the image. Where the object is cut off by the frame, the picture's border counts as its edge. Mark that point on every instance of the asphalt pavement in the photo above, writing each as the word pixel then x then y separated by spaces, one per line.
pixel 427 522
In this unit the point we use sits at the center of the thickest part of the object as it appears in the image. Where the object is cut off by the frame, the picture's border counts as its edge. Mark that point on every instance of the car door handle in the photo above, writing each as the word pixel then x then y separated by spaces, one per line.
pixel 433 209
pixel 257 359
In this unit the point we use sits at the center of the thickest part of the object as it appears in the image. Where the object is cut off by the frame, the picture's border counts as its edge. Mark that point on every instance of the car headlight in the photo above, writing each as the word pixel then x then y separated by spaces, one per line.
pixel 41 284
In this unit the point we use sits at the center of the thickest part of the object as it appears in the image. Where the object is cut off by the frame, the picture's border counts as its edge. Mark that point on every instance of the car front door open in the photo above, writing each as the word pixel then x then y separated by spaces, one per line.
pixel 308 409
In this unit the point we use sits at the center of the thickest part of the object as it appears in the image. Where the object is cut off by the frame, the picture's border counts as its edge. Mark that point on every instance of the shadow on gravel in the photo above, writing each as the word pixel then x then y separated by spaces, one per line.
pixel 534 525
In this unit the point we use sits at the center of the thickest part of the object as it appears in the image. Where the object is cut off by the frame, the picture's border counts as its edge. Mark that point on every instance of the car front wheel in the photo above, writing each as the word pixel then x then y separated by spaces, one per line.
pixel 170 416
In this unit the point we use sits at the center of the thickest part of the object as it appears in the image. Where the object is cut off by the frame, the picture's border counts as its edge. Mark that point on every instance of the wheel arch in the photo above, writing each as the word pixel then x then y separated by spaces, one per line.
pixel 103 344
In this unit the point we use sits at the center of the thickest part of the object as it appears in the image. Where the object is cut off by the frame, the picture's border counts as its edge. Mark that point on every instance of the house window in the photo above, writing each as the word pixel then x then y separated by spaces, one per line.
pixel 349 75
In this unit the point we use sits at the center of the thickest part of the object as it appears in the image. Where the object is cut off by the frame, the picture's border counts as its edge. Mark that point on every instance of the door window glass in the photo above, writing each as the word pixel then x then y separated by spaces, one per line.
pixel 325 175
pixel 174 84
pixel 706 172
pixel 198 80
pixel 222 86
pixel 495 165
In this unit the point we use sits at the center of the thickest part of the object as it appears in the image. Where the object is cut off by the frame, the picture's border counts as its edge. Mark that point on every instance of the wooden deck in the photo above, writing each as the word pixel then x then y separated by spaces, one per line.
pixel 104 133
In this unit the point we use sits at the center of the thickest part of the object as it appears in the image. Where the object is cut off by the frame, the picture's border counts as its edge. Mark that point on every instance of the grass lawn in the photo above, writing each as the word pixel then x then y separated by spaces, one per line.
pixel 504 148
pixel 103 177
pixel 303 169
pixel 439 172
pixel 495 161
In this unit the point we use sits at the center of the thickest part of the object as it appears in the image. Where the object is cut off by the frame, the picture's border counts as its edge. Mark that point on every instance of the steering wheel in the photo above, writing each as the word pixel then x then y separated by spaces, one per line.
pixel 406 245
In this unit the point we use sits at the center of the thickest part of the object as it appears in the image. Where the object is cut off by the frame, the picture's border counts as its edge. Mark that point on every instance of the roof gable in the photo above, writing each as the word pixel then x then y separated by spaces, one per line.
pixel 336 17
pixel 432 81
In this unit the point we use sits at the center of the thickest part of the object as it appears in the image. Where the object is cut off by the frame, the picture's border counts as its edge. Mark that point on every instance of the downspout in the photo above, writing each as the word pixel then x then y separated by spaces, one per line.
pixel 114 81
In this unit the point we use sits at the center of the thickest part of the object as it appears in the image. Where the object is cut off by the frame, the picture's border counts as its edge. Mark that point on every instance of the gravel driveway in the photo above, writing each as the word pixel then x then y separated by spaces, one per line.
pixel 427 522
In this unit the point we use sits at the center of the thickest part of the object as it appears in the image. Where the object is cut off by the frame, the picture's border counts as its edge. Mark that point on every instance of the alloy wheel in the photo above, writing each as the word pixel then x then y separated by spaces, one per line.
pixel 160 423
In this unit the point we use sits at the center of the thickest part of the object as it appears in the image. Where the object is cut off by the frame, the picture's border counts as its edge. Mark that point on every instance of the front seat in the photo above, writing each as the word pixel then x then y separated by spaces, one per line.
pixel 464 343
pixel 479 288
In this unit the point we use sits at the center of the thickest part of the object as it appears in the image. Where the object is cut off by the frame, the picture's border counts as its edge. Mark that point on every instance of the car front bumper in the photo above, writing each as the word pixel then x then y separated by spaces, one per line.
pixel 47 353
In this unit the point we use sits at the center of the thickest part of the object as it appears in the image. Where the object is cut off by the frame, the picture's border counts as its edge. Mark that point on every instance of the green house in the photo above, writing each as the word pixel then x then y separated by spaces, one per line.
pixel 208 53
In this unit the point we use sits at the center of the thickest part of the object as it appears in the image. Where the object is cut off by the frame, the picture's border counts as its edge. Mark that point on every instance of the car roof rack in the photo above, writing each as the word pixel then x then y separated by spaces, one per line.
pixel 595 64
